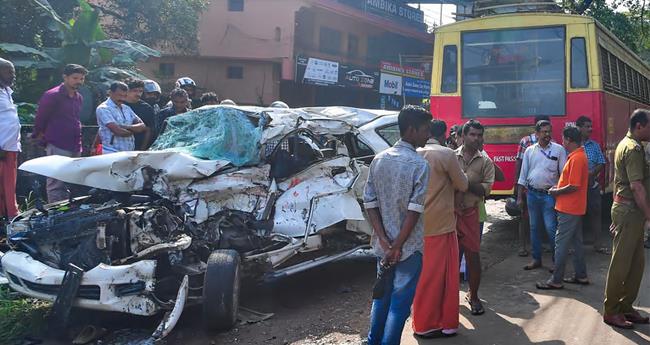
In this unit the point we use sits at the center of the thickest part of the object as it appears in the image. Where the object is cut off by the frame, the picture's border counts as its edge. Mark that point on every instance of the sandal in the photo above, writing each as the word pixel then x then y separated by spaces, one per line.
pixel 574 280
pixel 475 309
pixel 533 265
pixel 522 252
pixel 547 286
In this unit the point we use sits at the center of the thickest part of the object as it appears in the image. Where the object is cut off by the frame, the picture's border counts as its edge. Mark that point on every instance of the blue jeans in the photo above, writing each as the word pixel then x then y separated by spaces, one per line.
pixel 569 233
pixel 541 211
pixel 389 313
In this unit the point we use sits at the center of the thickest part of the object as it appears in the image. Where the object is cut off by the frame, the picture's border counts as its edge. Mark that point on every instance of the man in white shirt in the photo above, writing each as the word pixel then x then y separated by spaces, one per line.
pixel 9 141
pixel 540 170
pixel 117 121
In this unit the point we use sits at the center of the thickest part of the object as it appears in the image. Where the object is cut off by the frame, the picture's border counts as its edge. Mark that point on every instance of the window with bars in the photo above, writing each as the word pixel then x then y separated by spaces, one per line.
pixel 620 78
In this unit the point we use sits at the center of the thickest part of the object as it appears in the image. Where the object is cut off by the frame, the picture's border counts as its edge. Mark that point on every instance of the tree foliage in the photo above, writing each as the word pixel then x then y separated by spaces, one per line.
pixel 168 25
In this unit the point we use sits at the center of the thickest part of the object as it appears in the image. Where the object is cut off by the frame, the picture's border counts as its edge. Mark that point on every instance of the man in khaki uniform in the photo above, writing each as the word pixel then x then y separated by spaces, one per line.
pixel 630 210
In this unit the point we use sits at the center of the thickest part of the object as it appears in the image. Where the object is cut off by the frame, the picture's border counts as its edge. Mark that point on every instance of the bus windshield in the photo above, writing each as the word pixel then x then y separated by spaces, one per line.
pixel 513 72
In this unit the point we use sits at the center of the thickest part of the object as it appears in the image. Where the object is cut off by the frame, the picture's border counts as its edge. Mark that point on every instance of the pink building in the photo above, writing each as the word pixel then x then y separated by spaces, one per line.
pixel 258 51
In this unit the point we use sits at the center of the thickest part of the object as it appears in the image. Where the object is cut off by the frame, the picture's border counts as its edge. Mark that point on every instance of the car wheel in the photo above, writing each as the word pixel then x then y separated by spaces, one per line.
pixel 221 290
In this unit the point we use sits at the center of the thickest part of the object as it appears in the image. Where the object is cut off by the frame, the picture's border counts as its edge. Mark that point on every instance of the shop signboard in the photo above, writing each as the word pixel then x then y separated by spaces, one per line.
pixel 318 71
pixel 416 88
pixel 321 72
pixel 390 84
pixel 406 71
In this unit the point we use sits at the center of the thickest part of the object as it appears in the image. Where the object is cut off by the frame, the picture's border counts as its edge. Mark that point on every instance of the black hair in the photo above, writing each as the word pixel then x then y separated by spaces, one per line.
pixel 472 124
pixel 455 129
pixel 438 128
pixel 412 116
pixel 134 83
pixel 209 96
pixel 572 133
pixel 639 116
pixel 72 68
pixel 541 118
pixel 540 124
pixel 119 85
pixel 177 93
pixel 582 120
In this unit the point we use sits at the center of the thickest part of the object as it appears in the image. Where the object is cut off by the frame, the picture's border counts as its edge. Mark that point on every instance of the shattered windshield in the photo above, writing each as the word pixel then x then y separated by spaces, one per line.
pixel 215 133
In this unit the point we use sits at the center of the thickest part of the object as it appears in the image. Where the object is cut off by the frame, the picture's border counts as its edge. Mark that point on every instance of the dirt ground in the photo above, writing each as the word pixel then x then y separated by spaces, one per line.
pixel 331 304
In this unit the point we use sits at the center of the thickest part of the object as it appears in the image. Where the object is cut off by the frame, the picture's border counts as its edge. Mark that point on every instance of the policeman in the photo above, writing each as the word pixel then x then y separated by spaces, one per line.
pixel 629 212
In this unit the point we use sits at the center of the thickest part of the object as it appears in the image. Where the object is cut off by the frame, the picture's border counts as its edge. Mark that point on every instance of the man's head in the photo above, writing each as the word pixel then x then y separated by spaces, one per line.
pixel 152 92
pixel 439 130
pixel 188 85
pixel 585 126
pixel 571 138
pixel 74 76
pixel 639 124
pixel 136 88
pixel 118 91
pixel 179 100
pixel 473 135
pixel 413 125
pixel 7 73
pixel 543 131
pixel 209 98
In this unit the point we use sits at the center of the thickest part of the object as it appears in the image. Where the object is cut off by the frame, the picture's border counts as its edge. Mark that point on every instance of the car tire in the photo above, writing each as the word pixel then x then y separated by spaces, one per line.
pixel 221 290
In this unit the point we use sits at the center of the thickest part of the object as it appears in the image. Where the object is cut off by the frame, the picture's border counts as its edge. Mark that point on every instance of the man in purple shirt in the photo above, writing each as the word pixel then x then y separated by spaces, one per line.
pixel 57 124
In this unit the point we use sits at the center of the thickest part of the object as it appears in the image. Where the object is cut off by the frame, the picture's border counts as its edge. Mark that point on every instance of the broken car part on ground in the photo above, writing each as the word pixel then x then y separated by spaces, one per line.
pixel 226 194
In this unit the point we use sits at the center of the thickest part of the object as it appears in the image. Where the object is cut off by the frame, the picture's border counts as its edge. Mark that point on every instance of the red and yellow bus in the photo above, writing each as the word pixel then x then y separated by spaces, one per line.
pixel 504 70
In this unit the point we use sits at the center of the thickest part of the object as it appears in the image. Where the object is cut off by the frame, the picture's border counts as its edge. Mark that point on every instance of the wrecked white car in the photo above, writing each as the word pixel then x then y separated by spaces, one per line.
pixel 226 193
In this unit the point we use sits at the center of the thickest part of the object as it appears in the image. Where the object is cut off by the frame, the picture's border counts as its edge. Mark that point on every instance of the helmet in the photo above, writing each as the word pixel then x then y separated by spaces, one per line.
pixel 512 208
pixel 151 86
pixel 279 104
pixel 227 102
pixel 185 81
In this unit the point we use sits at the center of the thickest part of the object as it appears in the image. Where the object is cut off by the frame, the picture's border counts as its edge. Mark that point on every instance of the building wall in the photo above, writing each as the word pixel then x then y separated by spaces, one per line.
pixel 259 85
pixel 263 30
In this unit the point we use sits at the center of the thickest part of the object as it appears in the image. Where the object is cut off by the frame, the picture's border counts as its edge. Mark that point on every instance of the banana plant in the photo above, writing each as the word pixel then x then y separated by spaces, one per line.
pixel 83 42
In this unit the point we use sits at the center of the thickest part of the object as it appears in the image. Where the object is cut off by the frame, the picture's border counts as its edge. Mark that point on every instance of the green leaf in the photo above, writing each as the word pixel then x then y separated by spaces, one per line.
pixel 133 50
pixel 19 48
pixel 47 9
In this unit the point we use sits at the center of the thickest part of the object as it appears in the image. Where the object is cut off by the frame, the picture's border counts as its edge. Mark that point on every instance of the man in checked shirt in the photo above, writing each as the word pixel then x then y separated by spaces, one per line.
pixel 394 199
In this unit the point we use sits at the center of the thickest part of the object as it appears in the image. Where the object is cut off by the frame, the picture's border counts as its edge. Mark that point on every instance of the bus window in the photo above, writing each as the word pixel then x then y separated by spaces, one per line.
pixel 449 69
pixel 513 72
pixel 579 75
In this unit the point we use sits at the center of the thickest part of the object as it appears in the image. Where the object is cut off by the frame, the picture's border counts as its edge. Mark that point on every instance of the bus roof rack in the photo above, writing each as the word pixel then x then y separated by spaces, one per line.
pixel 482 8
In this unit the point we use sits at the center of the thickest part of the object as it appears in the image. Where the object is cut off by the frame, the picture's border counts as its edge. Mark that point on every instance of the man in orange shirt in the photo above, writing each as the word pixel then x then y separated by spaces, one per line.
pixel 571 205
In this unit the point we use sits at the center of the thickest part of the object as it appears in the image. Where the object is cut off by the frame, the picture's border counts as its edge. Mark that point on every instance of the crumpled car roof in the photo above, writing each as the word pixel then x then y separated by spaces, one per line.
pixel 198 144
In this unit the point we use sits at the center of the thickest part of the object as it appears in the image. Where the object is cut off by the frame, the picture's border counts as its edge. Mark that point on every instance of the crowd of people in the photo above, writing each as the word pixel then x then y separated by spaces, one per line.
pixel 131 118
pixel 423 197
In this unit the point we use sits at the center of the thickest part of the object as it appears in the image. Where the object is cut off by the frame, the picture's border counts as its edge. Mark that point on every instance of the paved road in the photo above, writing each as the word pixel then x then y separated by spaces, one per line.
pixel 518 313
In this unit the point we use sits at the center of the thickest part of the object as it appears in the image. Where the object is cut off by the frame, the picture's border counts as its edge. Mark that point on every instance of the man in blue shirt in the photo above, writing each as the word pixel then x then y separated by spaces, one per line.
pixel 596 161
pixel 394 199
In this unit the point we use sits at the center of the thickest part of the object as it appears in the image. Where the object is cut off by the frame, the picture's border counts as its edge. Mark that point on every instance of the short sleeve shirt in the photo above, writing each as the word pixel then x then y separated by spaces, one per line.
pixel 109 112
pixel 629 166
pixel 526 141
pixel 479 169
pixel 397 183
pixel 594 154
